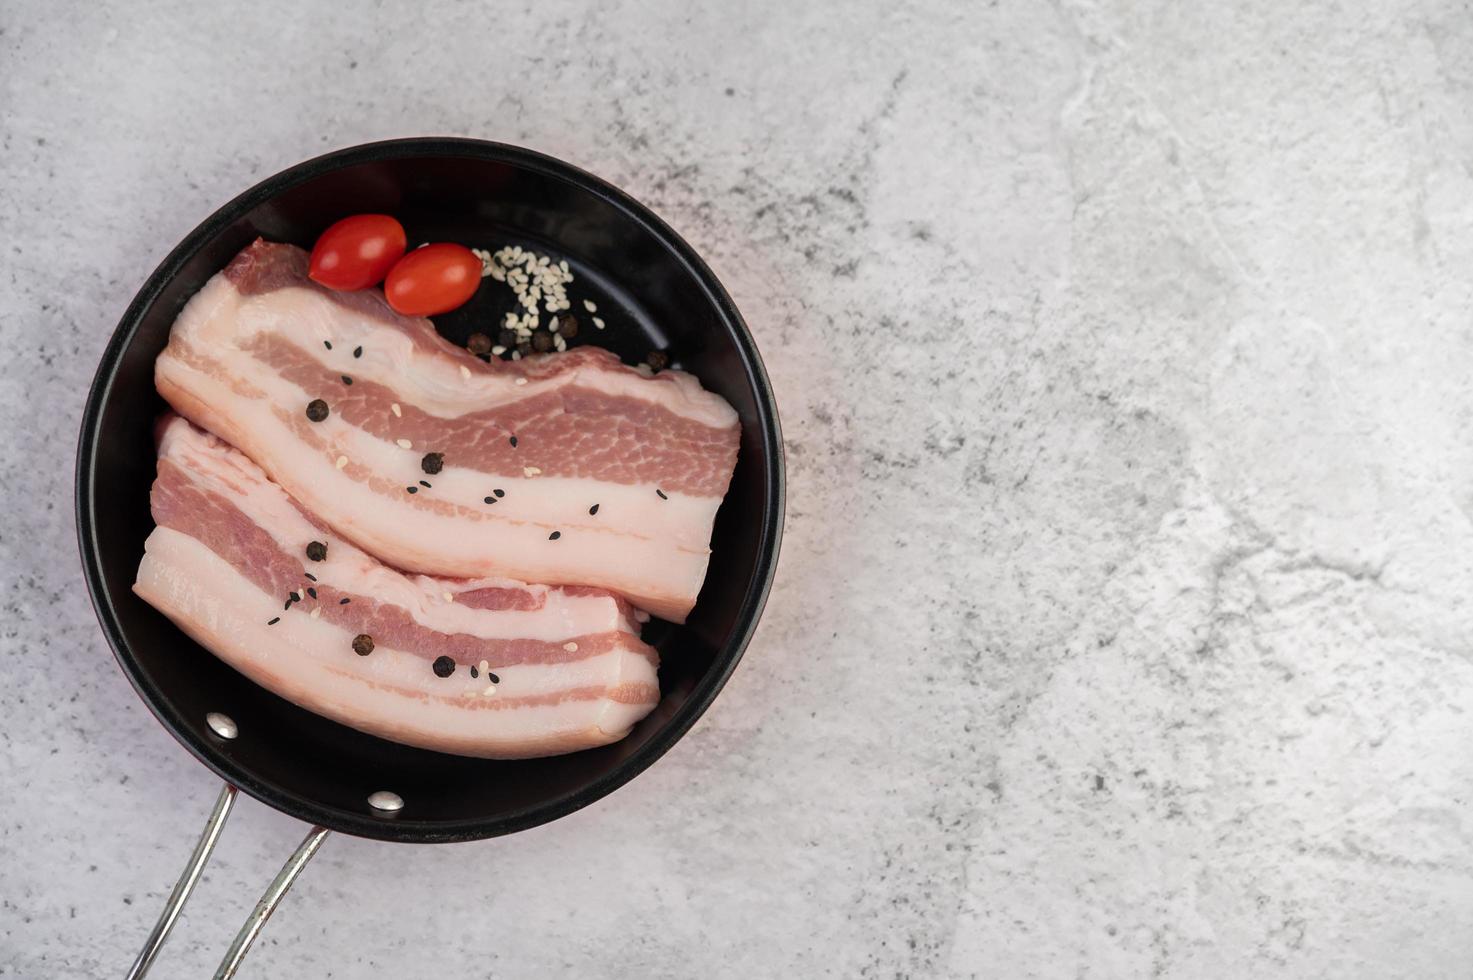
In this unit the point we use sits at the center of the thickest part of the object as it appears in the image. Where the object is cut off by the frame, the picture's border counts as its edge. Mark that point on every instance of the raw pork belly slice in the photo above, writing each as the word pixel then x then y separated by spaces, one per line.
pixel 569 468
pixel 489 668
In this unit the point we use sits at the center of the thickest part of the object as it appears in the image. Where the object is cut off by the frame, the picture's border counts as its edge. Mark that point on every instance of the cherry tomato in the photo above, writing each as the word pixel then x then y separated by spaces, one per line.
pixel 433 279
pixel 357 252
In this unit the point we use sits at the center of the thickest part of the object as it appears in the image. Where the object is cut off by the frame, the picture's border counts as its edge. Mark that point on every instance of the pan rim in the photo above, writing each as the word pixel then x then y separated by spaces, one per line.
pixel 402 828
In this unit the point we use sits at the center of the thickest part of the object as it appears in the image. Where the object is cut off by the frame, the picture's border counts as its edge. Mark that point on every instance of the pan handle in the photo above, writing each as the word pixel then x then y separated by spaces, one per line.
pixel 274 893
pixel 191 875
pixel 185 884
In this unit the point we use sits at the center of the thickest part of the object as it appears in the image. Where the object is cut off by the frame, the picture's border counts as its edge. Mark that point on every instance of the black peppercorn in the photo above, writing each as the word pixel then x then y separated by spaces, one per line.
pixel 316 410
pixel 444 666
pixel 363 644
pixel 658 360
pixel 316 551
pixel 478 344
pixel 567 326
pixel 507 338
pixel 432 463
pixel 542 341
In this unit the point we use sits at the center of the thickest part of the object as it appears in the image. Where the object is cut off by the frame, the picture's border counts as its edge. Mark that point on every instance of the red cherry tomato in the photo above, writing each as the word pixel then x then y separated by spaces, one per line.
pixel 357 252
pixel 433 279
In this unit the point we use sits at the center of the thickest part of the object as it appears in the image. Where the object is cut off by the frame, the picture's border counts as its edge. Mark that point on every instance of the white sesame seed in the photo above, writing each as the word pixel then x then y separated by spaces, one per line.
pixel 489 691
pixel 447 596
pixel 564 266
pixel 485 666
pixel 398 414
pixel 560 344
pixel 571 647
pixel 498 350
pixel 516 355
pixel 598 322
pixel 530 471
pixel 521 381
pixel 465 372
pixel 405 444
pixel 590 306
pixel 316 611
pixel 342 461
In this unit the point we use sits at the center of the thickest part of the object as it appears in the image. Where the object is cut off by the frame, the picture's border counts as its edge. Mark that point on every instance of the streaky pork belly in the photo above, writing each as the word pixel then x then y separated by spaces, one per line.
pixel 570 468
pixel 480 666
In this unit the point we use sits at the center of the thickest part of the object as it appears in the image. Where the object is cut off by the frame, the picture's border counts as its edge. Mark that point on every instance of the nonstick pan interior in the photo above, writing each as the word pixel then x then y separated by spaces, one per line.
pixel 652 291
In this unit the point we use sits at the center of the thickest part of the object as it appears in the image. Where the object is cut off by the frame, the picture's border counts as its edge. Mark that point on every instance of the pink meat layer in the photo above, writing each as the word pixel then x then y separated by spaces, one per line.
pixel 555 669
pixel 568 468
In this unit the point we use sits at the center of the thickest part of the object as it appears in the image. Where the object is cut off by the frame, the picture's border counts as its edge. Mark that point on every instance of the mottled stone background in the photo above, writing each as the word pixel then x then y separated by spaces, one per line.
pixel 1123 622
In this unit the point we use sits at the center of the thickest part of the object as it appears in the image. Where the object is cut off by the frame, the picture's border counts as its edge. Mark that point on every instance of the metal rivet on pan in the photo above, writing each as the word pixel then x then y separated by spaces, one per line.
pixel 386 801
pixel 223 725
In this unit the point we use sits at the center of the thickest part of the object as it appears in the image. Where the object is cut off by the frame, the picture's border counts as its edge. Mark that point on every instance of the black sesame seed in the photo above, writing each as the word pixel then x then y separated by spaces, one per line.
pixel 316 551
pixel 357 351
pixel 593 510
pixel 344 601
pixel 444 666
pixel 478 343
pixel 311 592
pixel 513 441
pixel 554 535
pixel 475 672
pixel 432 463
pixel 296 597
pixel 310 576
pixel 492 678
pixel 327 344
pixel 316 410
pixel 425 484
pixel 288 604
pixel 490 500
pixel 347 380
pixel 363 644
pixel 499 493
pixel 412 489
pixel 661 493
pixel 273 620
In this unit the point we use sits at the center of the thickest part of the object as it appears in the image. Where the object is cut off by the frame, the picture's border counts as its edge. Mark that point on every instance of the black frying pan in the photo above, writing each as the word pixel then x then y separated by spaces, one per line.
pixel 653 291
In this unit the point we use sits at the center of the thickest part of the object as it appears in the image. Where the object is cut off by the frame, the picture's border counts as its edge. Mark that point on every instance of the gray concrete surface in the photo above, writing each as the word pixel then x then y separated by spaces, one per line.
pixel 1123 624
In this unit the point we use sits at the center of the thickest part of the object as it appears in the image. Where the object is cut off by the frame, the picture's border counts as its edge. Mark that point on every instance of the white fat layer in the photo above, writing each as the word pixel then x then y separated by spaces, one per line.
pixel 653 551
pixel 389 693
pixel 217 468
